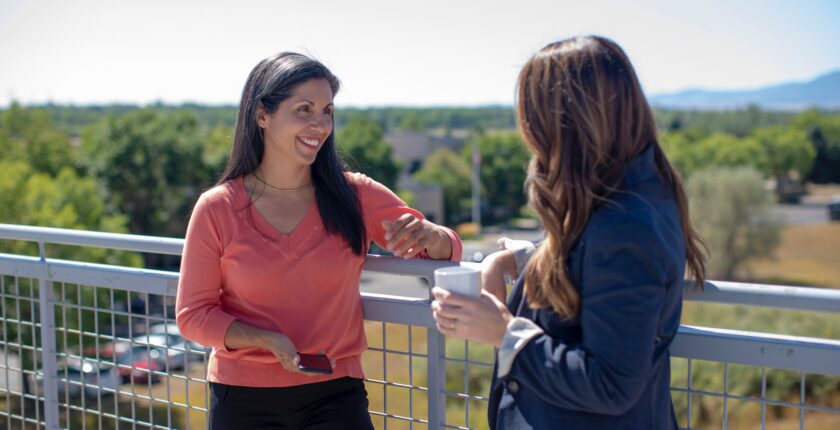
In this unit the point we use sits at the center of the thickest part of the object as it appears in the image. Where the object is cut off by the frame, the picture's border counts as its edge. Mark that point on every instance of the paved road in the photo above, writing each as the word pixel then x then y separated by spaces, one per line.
pixel 802 214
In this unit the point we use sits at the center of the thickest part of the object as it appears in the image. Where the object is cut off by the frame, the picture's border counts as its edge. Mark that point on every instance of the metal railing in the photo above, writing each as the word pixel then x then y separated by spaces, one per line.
pixel 78 349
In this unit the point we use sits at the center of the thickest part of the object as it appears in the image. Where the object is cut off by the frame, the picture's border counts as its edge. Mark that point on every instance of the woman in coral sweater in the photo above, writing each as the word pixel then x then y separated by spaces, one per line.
pixel 274 253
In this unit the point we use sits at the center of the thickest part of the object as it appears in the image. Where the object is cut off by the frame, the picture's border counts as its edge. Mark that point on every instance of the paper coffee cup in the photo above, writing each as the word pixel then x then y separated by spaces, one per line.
pixel 459 280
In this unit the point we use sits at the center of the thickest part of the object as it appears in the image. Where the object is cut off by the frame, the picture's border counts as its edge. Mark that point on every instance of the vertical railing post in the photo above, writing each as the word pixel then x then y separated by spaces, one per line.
pixel 436 370
pixel 436 346
pixel 48 351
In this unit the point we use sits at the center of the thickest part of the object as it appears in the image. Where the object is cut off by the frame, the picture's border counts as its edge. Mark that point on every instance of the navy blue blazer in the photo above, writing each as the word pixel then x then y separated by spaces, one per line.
pixel 609 367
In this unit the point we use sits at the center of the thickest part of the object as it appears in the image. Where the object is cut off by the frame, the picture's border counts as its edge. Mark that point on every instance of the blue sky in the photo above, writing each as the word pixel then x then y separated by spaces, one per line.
pixel 418 53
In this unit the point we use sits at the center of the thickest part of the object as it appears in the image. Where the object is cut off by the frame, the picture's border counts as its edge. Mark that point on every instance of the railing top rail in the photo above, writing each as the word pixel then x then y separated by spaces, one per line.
pixel 63 236
pixel 774 296
pixel 784 297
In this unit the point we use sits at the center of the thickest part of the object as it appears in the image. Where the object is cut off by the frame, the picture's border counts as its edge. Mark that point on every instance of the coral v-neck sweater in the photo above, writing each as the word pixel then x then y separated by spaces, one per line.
pixel 237 266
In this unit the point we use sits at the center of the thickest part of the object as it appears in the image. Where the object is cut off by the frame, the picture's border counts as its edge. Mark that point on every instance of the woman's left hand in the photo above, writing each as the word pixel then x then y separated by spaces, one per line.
pixel 408 235
pixel 479 319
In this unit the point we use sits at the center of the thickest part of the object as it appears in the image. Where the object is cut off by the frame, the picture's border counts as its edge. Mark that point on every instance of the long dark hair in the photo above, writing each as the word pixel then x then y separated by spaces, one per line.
pixel 583 116
pixel 270 82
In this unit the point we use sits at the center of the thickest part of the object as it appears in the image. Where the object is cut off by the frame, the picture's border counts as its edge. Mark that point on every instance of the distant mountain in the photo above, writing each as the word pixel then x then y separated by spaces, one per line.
pixel 822 92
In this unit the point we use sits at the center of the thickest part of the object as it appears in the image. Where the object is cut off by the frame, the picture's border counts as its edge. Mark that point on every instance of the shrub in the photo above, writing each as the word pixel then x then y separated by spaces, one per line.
pixel 731 209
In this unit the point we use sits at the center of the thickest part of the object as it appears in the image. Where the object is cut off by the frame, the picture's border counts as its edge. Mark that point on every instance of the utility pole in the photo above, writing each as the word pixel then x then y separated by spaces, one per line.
pixel 476 182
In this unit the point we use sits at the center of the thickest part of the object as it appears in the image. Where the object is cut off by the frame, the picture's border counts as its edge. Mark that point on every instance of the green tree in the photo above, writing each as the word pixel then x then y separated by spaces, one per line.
pixel 29 135
pixel 217 147
pixel 360 142
pixel 504 160
pixel 823 131
pixel 731 209
pixel 40 186
pixel 680 151
pixel 788 151
pixel 739 123
pixel 411 122
pixel 152 165
pixel 491 117
pixel 445 168
pixel 28 197
pixel 691 151
pixel 722 149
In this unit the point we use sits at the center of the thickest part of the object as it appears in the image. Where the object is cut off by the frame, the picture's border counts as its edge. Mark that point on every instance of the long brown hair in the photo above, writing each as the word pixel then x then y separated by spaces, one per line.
pixel 583 116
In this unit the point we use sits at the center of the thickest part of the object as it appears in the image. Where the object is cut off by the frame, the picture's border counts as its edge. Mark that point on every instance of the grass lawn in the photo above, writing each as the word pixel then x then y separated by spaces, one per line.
pixel 808 255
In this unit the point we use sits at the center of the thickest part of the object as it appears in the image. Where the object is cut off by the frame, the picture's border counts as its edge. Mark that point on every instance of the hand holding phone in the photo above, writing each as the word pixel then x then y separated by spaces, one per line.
pixel 314 363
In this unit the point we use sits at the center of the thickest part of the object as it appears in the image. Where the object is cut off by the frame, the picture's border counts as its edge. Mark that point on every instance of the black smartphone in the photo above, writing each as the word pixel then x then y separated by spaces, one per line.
pixel 314 363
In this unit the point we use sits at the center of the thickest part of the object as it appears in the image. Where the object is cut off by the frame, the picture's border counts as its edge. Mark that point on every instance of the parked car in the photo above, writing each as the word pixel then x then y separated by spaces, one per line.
pixel 134 362
pixel 174 349
pixel 195 350
pixel 168 335
pixel 77 375
pixel 834 209
pixel 790 191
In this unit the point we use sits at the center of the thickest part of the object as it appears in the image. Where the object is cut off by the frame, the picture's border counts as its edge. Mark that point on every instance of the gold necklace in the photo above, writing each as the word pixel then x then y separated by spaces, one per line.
pixel 302 187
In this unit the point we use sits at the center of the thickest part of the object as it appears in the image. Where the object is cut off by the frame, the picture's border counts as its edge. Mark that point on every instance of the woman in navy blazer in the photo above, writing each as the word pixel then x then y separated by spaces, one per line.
pixel 583 341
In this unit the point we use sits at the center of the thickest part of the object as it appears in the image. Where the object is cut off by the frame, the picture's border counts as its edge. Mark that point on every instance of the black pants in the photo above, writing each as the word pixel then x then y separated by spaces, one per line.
pixel 338 404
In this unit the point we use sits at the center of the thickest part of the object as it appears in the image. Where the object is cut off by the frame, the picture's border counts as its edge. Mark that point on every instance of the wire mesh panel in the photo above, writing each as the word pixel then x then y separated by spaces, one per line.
pixel 120 360
pixel 21 404
pixel 728 396
pixel 706 394
pixel 395 366
pixel 469 371
pixel 123 363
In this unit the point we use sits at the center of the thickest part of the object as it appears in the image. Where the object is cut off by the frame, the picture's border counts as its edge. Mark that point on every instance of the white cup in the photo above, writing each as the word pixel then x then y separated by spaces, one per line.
pixel 459 280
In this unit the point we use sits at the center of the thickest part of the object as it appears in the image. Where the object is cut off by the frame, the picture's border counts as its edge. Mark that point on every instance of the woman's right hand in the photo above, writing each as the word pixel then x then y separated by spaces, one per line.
pixel 284 350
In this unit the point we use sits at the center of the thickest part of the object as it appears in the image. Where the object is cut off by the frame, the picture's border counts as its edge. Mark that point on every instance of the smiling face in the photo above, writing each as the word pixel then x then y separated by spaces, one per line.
pixel 301 124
